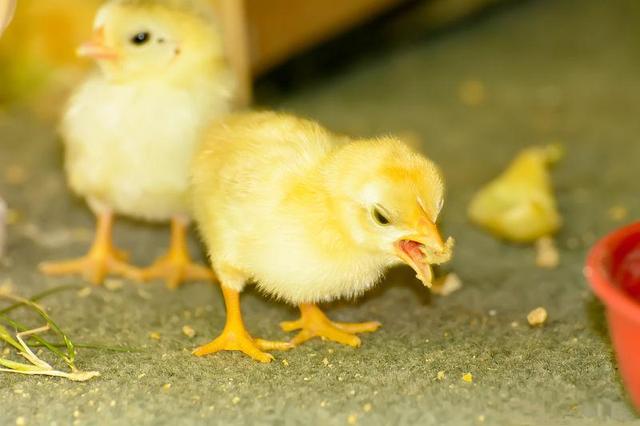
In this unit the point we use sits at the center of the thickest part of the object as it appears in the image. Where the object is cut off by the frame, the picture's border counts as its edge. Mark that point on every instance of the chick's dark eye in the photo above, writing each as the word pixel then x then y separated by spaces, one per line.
pixel 379 217
pixel 141 38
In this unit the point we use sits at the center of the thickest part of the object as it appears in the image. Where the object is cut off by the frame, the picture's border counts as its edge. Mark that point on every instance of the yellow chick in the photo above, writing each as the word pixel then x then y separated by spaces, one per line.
pixel 310 217
pixel 519 204
pixel 131 129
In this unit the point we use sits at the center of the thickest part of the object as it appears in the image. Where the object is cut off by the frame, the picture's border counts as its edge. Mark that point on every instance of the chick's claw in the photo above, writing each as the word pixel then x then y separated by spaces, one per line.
pixel 314 323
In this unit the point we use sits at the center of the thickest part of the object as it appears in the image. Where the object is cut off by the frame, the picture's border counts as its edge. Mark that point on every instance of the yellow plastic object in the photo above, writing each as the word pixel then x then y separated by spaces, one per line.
pixel 37 51
pixel 519 205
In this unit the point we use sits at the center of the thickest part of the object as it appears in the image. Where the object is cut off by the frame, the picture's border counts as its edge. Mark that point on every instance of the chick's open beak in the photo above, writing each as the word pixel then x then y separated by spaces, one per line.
pixel 95 47
pixel 424 248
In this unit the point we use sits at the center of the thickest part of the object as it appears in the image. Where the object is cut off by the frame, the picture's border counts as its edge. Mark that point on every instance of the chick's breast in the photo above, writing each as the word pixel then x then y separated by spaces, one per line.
pixel 130 146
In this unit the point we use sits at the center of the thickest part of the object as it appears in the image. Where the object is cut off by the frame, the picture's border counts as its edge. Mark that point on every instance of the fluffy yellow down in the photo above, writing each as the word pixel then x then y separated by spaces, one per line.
pixel 283 202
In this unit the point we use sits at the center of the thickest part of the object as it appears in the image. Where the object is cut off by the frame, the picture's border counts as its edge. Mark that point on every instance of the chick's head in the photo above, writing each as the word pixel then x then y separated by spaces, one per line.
pixel 144 39
pixel 389 199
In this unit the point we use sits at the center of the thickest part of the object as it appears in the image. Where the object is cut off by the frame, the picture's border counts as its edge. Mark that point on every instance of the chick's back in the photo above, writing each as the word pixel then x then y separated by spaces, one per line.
pixel 245 167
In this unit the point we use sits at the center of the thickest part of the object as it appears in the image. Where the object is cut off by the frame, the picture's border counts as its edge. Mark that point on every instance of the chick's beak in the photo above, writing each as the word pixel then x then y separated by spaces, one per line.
pixel 424 248
pixel 96 49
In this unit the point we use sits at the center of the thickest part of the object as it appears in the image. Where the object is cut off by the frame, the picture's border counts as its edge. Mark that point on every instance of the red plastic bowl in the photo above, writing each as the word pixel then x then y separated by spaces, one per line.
pixel 613 269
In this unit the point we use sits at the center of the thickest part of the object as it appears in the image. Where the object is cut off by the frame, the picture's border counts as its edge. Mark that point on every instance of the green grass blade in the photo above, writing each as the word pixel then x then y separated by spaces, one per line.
pixel 71 352
pixel 7 337
pixel 18 366
pixel 41 296
pixel 93 346
pixel 43 342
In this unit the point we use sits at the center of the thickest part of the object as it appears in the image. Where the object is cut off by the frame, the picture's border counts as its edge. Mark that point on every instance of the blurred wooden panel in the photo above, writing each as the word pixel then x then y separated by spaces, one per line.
pixel 281 28
pixel 261 34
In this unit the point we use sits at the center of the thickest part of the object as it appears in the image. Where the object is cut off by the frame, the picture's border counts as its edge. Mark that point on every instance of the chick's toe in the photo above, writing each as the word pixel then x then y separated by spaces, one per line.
pixel 103 259
pixel 314 323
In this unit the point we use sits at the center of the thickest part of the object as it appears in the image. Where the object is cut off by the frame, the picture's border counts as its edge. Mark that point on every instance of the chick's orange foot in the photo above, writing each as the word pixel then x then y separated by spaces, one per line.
pixel 102 260
pixel 240 340
pixel 176 265
pixel 94 267
pixel 235 337
pixel 314 323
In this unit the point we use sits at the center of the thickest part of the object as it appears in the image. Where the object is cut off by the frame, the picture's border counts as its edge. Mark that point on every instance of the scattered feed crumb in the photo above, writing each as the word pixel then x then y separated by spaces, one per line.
pixel 189 331
pixel 166 386
pixel 352 419
pixel 467 377
pixel 352 392
pixel 285 362
pixel 440 376
pixel 84 292
pixel 618 213
pixel 154 335
pixel 325 361
pixel 112 403
pixel 112 284
pixel 21 421
pixel 472 93
pixel 537 317
pixel 141 375
pixel 367 407
pixel 235 400
pixel 16 175
pixel 76 414
pixel 323 404
pixel 481 418
pixel 493 313
pixel 144 294
pixel 447 285
pixel 515 324
pixel 7 287
pixel 547 255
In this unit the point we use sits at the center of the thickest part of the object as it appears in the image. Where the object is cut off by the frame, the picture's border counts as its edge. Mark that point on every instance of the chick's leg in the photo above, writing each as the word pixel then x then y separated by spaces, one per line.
pixel 176 265
pixel 235 337
pixel 314 323
pixel 103 258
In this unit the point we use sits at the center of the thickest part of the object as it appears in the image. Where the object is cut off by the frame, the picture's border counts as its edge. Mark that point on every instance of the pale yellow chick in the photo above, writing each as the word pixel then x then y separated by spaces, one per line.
pixel 131 129
pixel 310 217
pixel 519 205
